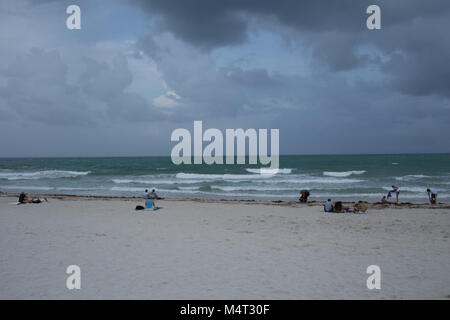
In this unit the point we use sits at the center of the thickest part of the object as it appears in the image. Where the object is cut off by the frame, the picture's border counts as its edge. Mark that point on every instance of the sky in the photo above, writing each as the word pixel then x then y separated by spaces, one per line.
pixel 139 69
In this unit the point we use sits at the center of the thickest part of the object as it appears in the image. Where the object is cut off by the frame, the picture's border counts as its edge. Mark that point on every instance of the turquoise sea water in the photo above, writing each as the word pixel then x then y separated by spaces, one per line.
pixel 344 177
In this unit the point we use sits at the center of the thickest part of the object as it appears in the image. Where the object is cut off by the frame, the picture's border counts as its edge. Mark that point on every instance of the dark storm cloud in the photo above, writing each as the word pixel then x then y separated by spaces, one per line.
pixel 342 88
pixel 412 38
pixel 216 23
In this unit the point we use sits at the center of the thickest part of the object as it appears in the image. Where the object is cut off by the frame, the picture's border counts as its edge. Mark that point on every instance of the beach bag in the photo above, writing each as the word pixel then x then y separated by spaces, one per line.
pixel 140 208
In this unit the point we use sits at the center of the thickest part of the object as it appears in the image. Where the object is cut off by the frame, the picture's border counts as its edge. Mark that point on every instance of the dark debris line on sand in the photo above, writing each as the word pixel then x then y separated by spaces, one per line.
pixel 294 204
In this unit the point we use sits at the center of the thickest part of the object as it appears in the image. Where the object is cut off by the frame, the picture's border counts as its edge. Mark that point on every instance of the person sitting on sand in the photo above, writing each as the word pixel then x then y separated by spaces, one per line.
pixel 39 200
pixel 383 200
pixel 360 207
pixel 328 206
pixel 150 204
pixel 350 208
pixel 153 195
pixel 338 207
pixel 304 196
pixel 432 195
pixel 145 194
pixel 395 190
pixel 23 198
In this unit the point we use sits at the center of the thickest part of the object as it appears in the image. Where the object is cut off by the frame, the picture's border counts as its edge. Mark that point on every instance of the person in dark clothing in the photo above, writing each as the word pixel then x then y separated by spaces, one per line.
pixel 23 198
pixel 338 207
pixel 304 195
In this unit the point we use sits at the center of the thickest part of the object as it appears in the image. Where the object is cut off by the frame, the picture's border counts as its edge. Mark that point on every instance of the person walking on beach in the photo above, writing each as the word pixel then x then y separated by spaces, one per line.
pixel 432 195
pixel 395 190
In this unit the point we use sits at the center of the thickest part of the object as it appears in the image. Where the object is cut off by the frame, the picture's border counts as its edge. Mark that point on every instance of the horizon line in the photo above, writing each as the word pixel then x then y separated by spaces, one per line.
pixel 162 156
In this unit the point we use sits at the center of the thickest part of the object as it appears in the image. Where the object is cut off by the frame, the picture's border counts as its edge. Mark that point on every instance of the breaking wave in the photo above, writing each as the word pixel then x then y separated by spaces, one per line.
pixel 46 174
pixel 341 174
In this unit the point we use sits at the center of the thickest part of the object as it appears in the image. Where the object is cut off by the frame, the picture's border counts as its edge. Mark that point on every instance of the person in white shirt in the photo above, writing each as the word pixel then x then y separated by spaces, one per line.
pixel 328 206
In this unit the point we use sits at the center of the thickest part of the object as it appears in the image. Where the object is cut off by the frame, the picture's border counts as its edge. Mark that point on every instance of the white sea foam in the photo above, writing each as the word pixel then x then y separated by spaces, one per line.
pixel 77 188
pixel 249 188
pixel 209 177
pixel 26 188
pixel 138 191
pixel 411 177
pixel 328 180
pixel 155 181
pixel 340 174
pixel 126 189
pixel 409 189
pixel 188 188
pixel 269 171
pixel 46 174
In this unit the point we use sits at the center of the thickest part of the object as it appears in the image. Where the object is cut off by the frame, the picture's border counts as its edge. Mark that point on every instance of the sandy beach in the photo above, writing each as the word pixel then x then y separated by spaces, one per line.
pixel 220 250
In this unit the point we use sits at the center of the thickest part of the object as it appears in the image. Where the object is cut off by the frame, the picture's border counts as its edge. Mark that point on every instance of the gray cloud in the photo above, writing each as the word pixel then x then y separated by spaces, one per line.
pixel 412 38
pixel 37 88
pixel 358 91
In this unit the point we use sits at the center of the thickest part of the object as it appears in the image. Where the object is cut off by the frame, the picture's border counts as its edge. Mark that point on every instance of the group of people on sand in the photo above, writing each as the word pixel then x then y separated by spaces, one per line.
pixel 360 207
pixel 150 199
pixel 431 192
pixel 338 207
pixel 23 198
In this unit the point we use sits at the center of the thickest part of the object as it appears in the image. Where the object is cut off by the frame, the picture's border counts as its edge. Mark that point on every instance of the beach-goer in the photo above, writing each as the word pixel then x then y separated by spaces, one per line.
pixel 351 208
pixel 23 198
pixel 383 200
pixel 145 194
pixel 360 207
pixel 395 190
pixel 338 207
pixel 150 204
pixel 153 194
pixel 304 194
pixel 432 195
pixel 328 206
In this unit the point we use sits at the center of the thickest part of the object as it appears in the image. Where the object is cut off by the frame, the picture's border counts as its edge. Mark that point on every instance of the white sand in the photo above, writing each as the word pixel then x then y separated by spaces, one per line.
pixel 195 250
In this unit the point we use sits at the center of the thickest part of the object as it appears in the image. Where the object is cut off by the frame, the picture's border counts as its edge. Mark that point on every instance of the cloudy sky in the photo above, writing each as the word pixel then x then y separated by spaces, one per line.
pixel 138 69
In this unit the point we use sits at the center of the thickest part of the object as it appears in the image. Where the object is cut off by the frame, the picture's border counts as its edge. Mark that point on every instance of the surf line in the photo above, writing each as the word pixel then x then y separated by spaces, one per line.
pixel 213 153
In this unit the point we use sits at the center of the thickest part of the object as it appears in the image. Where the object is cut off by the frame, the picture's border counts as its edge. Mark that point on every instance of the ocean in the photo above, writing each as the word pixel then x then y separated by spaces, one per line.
pixel 340 177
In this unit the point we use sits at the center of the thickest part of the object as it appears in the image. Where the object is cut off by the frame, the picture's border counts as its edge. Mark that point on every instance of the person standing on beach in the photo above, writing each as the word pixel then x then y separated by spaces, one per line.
pixel 395 190
pixel 432 195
